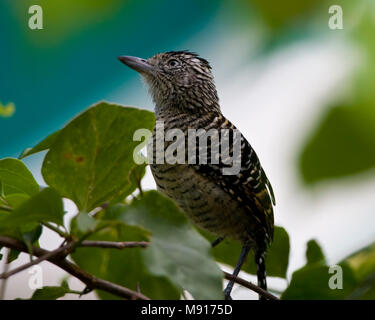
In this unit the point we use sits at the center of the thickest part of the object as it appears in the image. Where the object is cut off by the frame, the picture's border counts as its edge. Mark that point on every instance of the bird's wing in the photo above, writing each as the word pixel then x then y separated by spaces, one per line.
pixel 249 185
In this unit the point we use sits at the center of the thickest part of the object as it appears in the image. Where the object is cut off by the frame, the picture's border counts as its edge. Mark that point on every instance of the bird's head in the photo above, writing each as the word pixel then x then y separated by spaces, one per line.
pixel 177 79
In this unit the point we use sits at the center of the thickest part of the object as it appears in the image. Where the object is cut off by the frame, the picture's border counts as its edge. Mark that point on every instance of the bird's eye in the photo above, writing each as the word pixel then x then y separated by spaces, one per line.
pixel 173 63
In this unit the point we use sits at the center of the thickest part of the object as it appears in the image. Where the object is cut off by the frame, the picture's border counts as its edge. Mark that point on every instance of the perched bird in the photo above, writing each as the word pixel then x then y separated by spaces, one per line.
pixel 238 205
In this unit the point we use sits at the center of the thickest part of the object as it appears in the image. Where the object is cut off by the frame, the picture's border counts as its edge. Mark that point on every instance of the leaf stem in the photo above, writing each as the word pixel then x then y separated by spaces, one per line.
pixel 6 208
pixel 61 233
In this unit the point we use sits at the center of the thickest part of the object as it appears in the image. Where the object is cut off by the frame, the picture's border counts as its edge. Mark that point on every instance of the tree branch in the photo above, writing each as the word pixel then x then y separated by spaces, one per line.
pixel 143 244
pixel 65 250
pixel 251 286
pixel 91 281
pixel 114 245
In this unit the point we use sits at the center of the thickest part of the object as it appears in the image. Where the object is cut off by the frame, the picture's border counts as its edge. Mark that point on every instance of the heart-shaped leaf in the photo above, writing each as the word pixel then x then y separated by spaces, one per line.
pixel 16 178
pixel 91 159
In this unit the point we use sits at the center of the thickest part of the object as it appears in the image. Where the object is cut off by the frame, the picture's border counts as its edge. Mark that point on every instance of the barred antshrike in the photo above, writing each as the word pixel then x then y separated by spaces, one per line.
pixel 237 206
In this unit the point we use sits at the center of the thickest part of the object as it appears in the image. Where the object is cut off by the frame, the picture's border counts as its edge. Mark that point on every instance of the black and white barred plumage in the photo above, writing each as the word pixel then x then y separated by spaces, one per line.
pixel 238 206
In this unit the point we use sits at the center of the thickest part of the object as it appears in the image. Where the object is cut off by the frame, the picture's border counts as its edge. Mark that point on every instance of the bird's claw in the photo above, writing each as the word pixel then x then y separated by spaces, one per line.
pixel 227 294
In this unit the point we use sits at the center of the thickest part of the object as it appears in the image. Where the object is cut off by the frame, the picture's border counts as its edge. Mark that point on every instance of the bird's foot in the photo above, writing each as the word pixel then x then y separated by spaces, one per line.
pixel 227 294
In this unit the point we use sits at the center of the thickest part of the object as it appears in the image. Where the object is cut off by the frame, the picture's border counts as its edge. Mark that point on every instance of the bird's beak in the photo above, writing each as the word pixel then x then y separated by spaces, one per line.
pixel 137 64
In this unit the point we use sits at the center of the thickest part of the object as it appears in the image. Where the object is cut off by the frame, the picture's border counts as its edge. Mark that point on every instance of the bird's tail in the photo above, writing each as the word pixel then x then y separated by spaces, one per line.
pixel 261 270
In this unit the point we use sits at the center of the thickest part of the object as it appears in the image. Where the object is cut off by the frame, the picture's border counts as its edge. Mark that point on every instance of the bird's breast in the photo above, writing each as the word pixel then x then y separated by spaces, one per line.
pixel 206 204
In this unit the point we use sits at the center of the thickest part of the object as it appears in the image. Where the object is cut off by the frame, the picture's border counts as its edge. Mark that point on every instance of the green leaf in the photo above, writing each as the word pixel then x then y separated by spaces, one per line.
pixel 12 255
pixel 124 267
pixel 312 282
pixel 135 178
pixel 21 231
pixel 2 193
pixel 16 199
pixel 29 237
pixel 64 283
pixel 32 236
pixel 92 157
pixel 314 253
pixel 277 258
pixel 177 251
pixel 47 205
pixel 42 146
pixel 362 263
pixel 16 178
pixel 85 222
pixel 341 145
pixel 50 293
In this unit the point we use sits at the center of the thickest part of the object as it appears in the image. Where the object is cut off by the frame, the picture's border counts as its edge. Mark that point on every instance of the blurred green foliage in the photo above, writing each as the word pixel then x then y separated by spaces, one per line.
pixel 313 280
pixel 7 110
pixel 277 258
pixel 279 14
pixel 314 253
pixel 363 264
pixel 342 143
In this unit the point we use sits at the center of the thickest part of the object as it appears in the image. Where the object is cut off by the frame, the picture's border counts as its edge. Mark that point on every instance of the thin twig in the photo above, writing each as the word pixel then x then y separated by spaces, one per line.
pixel 6 208
pixel 251 286
pixel 114 245
pixel 90 280
pixel 144 244
pixel 139 186
pixel 95 283
pixel 65 250
pixel 61 233
pixel 138 182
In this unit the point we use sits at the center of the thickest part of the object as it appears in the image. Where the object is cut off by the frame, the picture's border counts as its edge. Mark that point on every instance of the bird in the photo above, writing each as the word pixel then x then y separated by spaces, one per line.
pixel 236 205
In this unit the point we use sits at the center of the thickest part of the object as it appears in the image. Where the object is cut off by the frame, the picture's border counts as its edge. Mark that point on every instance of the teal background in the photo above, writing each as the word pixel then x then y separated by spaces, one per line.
pixel 52 74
